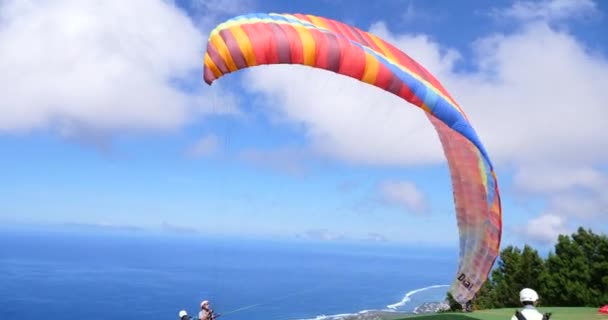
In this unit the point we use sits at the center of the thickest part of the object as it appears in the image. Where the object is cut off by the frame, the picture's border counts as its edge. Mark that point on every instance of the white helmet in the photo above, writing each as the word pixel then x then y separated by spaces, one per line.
pixel 528 294
pixel 183 313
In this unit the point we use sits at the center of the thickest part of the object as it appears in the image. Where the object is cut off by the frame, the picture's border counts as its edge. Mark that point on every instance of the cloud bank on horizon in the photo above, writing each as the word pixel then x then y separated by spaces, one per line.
pixel 536 94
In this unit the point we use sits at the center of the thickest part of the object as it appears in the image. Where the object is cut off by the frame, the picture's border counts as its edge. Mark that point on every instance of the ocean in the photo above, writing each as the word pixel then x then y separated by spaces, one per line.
pixel 117 275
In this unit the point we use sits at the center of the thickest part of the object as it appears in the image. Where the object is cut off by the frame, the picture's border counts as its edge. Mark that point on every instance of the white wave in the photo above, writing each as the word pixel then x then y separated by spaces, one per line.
pixel 339 316
pixel 392 308
pixel 342 316
pixel 407 297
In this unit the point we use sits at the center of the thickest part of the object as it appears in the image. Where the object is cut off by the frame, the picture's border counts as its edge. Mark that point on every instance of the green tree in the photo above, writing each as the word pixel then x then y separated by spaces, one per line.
pixel 531 271
pixel 595 249
pixel 576 274
pixel 505 278
pixel 454 305
pixel 516 270
pixel 578 270
pixel 486 297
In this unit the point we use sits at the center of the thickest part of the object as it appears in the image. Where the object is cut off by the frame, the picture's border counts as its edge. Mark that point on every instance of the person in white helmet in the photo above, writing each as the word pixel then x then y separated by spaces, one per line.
pixel 183 315
pixel 206 313
pixel 529 299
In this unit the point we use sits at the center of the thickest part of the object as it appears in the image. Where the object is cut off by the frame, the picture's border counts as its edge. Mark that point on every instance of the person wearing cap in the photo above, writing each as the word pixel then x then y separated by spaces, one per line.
pixel 206 313
pixel 183 315
pixel 529 299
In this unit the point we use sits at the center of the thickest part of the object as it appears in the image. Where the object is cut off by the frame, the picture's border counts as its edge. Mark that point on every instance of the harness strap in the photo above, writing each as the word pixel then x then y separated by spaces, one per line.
pixel 519 316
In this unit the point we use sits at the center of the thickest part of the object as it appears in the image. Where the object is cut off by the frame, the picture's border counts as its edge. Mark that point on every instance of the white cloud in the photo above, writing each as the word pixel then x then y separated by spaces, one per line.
pixel 572 195
pixel 321 234
pixel 417 14
pixel 346 119
pixel 575 200
pixel 522 100
pixel 212 7
pixel 585 205
pixel 205 146
pixel 405 195
pixel 105 65
pixel 376 237
pixel 546 228
pixel 530 106
pixel 286 160
pixel 208 13
pixel 175 228
pixel 546 9
pixel 551 179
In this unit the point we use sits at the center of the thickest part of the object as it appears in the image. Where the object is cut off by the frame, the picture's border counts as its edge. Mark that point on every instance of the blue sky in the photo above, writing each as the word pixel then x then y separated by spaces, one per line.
pixel 106 121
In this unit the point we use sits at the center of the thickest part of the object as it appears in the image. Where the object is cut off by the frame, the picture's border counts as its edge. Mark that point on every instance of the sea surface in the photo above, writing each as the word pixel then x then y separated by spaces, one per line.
pixel 96 275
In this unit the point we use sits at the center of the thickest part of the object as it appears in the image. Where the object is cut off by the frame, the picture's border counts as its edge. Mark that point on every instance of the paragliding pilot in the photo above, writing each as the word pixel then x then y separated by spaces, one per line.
pixel 206 313
pixel 529 299
pixel 183 315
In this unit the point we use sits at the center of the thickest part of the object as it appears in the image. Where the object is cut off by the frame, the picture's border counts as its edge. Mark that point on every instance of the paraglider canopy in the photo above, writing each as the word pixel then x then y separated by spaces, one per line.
pixel 270 39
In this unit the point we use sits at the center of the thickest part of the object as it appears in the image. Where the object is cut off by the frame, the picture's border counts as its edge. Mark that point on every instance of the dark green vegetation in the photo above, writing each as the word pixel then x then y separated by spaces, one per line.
pixel 575 274
pixel 505 314
pixel 573 279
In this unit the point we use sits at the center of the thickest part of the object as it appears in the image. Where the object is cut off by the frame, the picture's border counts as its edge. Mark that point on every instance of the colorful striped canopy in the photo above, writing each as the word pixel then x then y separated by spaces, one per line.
pixel 266 39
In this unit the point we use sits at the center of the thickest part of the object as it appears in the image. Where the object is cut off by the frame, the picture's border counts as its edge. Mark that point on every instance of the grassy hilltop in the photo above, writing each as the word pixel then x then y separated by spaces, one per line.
pixel 559 313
